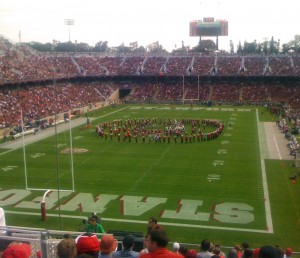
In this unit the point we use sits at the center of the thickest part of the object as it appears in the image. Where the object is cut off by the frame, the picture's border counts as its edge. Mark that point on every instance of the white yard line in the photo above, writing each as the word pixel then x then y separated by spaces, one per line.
pixel 264 180
pixel 145 222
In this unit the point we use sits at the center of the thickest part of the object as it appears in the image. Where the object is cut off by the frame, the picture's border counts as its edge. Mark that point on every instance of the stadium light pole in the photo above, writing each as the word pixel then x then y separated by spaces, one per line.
pixel 69 22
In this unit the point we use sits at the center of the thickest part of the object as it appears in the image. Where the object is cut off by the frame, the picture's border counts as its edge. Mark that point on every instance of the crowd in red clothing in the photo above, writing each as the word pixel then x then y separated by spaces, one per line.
pixel 44 100
pixel 19 62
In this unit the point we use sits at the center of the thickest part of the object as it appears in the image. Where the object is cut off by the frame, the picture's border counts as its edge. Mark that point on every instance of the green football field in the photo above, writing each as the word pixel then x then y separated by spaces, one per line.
pixel 221 189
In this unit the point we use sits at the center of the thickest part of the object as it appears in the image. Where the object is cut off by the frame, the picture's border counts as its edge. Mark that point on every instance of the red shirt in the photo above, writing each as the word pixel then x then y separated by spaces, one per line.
pixel 161 253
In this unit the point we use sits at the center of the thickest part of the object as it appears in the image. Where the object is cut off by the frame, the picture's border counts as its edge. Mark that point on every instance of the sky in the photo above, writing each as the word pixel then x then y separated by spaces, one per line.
pixel 144 21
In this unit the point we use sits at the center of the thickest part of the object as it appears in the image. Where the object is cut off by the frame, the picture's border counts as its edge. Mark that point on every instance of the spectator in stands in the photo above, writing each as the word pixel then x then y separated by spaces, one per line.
pixel 268 251
pixel 108 245
pixel 280 251
pixel 17 250
pixel 256 252
pixel 145 246
pixel 288 252
pixel 88 244
pixel 245 245
pixel 127 246
pixel 176 247
pixel 93 226
pixel 152 224
pixel 191 253
pixel 157 245
pixel 67 248
pixel 218 247
pixel 247 253
pixel 217 253
pixel 204 249
pixel 232 253
pixel 184 251
pixel 239 251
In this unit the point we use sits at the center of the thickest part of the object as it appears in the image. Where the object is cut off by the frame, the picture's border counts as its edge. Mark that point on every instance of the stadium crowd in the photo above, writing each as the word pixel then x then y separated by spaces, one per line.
pixel 42 100
pixel 156 244
pixel 150 78
pixel 19 62
pixel 95 242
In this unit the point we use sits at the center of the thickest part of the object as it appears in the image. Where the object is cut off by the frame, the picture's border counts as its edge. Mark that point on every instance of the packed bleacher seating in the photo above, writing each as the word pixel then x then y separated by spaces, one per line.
pixel 20 63
pixel 281 65
pixel 226 93
pixel 38 101
pixel 202 65
pixel 229 65
pixel 177 65
pixel 254 65
pixel 153 65
pixel 42 101
pixel 131 65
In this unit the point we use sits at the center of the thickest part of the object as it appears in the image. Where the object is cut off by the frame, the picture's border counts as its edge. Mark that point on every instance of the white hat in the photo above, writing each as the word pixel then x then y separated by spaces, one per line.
pixel 176 246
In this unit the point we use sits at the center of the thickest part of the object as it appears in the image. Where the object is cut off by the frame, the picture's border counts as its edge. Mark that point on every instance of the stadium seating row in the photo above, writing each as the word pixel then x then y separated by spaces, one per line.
pixel 20 63
pixel 38 102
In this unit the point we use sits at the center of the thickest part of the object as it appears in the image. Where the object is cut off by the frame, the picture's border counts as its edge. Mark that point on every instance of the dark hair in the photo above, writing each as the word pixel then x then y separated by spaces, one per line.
pixel 268 251
pixel 95 217
pixel 152 219
pixel 248 253
pixel 232 253
pixel 159 236
pixel 205 245
pixel 128 241
pixel 245 245
pixel 66 248
pixel 183 250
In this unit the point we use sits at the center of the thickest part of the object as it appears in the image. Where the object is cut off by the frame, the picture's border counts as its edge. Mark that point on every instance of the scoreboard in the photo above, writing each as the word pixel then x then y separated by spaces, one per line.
pixel 208 27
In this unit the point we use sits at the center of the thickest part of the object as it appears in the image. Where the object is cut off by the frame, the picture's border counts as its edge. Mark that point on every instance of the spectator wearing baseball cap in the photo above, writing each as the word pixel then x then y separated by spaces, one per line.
pixel 176 247
pixel 288 252
pixel 191 253
pixel 88 244
pixel 17 250
pixel 108 245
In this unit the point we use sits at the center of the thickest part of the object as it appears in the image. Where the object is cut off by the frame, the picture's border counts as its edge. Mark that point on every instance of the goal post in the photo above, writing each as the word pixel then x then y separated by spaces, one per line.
pixel 297 161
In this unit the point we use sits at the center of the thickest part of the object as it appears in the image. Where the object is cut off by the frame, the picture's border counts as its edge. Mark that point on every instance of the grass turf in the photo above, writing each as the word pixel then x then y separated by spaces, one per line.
pixel 171 171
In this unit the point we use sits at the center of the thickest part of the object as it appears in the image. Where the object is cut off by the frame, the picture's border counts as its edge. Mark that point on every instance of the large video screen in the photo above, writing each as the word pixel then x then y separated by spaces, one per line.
pixel 211 28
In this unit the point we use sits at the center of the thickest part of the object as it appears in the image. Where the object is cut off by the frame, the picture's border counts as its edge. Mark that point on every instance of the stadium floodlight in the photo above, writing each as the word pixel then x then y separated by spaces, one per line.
pixel 69 22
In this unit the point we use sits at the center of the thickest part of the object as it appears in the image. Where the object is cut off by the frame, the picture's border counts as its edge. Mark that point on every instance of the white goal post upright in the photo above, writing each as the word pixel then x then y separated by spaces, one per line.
pixel 71 152
pixel 49 190
pixel 183 89
pixel 24 151
pixel 297 160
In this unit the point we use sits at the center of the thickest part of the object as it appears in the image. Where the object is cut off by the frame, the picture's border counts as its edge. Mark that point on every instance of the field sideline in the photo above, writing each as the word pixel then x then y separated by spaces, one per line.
pixel 223 219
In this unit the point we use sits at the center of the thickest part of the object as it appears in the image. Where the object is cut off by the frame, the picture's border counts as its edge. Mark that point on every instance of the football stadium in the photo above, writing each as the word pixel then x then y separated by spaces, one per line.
pixel 206 143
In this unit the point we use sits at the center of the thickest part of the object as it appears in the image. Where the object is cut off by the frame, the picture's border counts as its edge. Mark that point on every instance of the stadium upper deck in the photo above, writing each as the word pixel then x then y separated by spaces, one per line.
pixel 228 79
pixel 21 63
